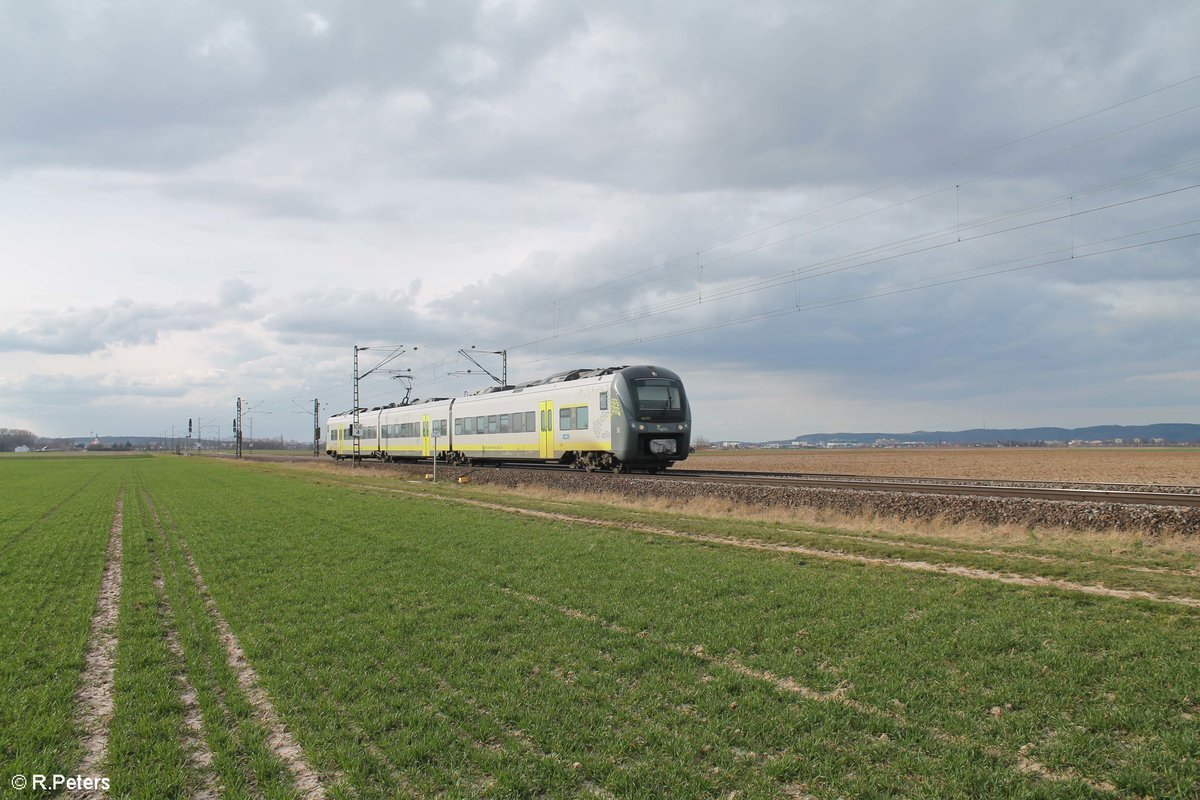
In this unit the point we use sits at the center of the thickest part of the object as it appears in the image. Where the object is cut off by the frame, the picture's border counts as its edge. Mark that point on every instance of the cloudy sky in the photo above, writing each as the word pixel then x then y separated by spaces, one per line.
pixel 826 216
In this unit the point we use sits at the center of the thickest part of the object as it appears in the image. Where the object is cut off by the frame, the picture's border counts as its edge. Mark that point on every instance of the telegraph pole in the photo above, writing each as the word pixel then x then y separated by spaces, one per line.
pixel 316 427
pixel 237 428
pixel 356 427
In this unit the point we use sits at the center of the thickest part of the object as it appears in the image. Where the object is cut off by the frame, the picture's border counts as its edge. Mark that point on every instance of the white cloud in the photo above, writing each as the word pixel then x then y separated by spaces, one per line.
pixel 317 23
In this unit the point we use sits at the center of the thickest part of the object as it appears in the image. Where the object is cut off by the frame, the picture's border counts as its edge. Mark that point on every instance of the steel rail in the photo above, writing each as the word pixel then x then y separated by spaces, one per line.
pixel 911 486
pixel 1187 496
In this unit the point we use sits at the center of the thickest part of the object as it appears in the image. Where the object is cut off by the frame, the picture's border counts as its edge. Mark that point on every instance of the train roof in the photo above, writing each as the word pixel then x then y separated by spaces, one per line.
pixel 558 377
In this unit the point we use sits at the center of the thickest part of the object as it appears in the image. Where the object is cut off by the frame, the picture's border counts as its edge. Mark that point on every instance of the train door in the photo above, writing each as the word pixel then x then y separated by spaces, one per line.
pixel 546 437
pixel 426 445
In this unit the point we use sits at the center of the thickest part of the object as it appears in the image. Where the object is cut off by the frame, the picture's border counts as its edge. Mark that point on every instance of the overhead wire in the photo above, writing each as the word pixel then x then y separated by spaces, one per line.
pixel 1063 255
pixel 791 276
pixel 684 300
pixel 642 271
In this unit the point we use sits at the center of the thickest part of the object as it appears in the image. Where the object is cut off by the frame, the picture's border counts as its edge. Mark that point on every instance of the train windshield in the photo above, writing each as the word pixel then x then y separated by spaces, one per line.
pixel 659 400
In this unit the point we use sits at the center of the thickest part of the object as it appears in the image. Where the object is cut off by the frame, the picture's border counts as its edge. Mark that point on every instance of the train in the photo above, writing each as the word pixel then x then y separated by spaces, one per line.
pixel 613 418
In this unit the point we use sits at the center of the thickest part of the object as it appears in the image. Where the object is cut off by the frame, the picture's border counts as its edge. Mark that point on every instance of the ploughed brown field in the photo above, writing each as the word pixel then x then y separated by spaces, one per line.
pixel 1091 465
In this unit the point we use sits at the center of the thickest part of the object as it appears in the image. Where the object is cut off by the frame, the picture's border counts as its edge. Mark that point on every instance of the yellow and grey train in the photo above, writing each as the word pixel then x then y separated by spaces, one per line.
pixel 615 418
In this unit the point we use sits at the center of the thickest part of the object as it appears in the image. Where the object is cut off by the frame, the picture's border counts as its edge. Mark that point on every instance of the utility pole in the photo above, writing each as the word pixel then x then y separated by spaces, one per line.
pixel 237 430
pixel 316 427
pixel 356 427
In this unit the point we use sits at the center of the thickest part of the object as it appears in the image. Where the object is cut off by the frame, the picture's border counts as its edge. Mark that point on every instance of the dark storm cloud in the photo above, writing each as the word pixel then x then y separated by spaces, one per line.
pixel 122 323
pixel 664 98
pixel 652 97
pixel 139 85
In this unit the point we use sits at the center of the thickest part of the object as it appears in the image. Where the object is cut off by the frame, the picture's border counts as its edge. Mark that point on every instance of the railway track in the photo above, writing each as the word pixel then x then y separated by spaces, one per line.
pixel 1079 493
pixel 1120 494
pixel 1123 494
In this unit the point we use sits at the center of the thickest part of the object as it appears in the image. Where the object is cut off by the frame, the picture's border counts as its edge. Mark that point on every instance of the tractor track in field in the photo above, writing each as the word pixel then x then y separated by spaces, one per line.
pixel 1020 761
pixel 95 698
pixel 195 745
pixel 279 739
pixel 1011 578
pixel 786 685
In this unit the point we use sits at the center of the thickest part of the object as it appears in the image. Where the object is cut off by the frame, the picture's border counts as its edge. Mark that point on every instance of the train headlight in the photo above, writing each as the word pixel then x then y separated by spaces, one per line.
pixel 681 427
pixel 641 427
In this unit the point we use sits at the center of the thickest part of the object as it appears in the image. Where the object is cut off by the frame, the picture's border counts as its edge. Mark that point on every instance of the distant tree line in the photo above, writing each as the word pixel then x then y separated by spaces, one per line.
pixel 12 438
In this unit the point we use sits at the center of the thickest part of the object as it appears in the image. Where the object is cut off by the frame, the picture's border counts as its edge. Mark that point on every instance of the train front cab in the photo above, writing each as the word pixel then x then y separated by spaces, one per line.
pixel 652 427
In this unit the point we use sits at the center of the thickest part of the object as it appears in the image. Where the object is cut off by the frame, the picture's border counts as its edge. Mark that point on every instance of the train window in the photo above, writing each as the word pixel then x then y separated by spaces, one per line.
pixel 469 425
pixel 458 427
pixel 505 423
pixel 529 423
pixel 604 401
pixel 659 400
pixel 493 424
pixel 518 423
pixel 481 424
pixel 573 419
pixel 439 427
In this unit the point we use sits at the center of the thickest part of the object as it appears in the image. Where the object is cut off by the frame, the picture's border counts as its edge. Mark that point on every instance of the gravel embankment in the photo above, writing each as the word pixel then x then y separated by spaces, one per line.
pixel 908 506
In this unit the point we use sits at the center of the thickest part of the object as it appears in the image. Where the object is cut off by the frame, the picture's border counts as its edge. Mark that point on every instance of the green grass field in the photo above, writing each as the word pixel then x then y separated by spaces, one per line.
pixel 445 641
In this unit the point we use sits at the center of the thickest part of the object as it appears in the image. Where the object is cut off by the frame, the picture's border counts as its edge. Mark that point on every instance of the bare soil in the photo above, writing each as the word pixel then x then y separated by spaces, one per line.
pixel 1180 466
pixel 279 738
pixel 94 700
